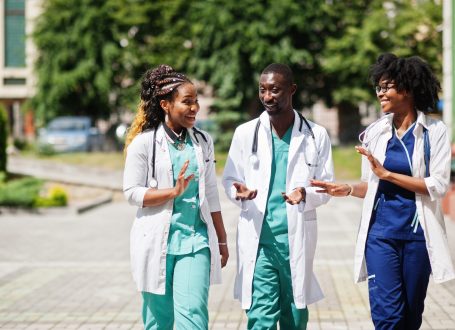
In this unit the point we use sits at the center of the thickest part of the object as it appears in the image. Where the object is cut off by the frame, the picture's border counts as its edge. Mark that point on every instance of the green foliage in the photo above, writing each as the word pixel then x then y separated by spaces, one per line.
pixel 78 61
pixel 25 192
pixel 57 196
pixel 230 47
pixel 3 138
pixel 93 53
pixel 225 121
pixel 366 29
pixel 403 27
pixel 20 192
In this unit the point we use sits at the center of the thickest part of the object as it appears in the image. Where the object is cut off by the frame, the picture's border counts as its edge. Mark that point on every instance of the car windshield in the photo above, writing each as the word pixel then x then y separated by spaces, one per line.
pixel 67 125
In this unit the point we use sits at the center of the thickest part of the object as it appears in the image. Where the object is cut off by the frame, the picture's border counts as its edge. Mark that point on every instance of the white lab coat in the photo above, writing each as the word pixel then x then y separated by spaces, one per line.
pixel 150 230
pixel 429 208
pixel 302 227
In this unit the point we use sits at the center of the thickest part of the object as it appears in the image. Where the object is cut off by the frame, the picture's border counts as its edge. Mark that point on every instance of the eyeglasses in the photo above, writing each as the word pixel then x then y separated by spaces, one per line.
pixel 383 89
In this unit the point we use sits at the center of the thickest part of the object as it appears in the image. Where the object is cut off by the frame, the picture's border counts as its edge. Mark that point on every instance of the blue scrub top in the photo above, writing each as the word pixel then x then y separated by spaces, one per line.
pixel 394 213
pixel 187 233
pixel 275 225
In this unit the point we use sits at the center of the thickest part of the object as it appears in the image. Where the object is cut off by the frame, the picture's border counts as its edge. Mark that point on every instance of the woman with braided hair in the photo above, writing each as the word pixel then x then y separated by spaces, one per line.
pixel 405 174
pixel 178 240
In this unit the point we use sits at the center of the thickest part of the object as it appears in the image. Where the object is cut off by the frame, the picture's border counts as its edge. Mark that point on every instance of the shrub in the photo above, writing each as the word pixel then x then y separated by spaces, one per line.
pixel 57 196
pixel 20 192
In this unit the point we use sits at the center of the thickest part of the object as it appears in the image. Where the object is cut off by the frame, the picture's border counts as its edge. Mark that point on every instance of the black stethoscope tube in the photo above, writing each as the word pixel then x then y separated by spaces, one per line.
pixel 153 182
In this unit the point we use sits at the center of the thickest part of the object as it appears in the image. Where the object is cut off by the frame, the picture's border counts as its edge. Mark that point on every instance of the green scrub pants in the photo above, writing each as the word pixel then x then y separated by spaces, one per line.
pixel 272 300
pixel 186 296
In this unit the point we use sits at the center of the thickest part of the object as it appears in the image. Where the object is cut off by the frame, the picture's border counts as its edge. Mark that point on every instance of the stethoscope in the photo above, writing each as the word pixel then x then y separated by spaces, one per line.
pixel 426 140
pixel 254 159
pixel 153 182
pixel 363 136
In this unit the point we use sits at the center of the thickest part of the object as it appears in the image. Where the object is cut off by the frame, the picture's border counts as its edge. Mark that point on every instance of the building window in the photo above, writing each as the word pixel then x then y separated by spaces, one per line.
pixel 15 33
pixel 14 81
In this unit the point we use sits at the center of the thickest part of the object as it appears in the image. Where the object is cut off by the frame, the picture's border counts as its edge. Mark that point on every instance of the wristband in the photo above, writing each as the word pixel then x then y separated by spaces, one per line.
pixel 222 243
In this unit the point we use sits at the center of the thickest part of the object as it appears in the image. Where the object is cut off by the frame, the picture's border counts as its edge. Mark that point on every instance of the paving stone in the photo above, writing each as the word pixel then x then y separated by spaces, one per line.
pixel 72 272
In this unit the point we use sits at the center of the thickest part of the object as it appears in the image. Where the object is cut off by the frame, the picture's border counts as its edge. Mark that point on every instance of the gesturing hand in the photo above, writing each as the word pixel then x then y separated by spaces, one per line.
pixel 295 196
pixel 375 165
pixel 182 183
pixel 332 188
pixel 243 193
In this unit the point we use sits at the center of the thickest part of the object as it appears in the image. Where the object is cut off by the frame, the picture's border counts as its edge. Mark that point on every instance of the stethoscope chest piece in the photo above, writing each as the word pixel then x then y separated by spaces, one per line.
pixel 254 161
pixel 153 183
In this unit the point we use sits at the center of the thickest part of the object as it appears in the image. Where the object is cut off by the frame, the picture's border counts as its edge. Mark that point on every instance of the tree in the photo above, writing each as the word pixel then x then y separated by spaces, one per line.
pixel 403 27
pixel 92 54
pixel 79 56
pixel 232 42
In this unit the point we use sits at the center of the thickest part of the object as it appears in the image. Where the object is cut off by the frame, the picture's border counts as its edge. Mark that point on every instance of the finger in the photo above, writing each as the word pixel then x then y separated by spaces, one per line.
pixel 317 183
pixel 189 177
pixel 237 186
pixel 322 191
pixel 184 167
pixel 254 194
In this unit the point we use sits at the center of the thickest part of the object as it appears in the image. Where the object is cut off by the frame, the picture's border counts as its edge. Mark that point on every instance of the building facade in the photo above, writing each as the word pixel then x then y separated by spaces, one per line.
pixel 17 55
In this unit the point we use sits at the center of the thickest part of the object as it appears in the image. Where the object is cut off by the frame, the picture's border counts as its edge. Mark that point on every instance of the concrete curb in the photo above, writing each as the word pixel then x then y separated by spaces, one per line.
pixel 63 210
pixel 104 199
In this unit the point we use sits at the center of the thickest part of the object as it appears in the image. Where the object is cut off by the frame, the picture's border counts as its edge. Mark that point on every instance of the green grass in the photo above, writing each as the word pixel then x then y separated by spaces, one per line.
pixel 346 162
pixel 104 160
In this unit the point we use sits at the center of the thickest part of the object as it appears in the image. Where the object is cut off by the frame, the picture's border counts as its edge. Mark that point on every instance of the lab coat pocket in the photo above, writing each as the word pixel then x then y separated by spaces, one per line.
pixel 302 172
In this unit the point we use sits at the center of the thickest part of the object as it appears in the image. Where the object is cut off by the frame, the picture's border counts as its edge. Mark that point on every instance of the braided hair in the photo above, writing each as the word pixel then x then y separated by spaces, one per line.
pixel 160 83
pixel 411 74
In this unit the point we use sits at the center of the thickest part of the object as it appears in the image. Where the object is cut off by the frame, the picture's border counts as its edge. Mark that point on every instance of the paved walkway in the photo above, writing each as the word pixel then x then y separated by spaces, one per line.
pixel 72 272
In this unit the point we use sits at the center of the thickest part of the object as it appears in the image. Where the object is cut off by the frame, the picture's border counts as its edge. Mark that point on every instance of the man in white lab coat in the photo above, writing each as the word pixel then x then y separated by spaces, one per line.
pixel 268 171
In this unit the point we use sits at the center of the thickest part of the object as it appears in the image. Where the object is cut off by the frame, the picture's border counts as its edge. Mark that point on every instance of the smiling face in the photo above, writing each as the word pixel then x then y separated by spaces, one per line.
pixel 392 100
pixel 275 93
pixel 181 111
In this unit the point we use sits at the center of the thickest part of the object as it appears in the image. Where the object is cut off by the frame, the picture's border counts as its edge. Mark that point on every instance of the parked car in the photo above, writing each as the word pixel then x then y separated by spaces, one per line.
pixel 70 133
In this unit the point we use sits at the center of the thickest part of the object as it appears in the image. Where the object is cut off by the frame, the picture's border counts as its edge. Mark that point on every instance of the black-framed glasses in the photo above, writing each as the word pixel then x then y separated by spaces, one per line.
pixel 383 89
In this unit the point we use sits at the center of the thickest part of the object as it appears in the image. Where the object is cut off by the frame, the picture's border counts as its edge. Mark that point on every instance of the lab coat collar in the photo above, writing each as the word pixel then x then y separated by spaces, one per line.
pixel 297 135
pixel 161 135
pixel 421 120
pixel 265 121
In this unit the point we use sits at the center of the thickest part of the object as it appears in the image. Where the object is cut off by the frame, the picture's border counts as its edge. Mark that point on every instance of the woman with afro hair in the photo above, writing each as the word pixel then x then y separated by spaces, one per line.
pixel 405 174
pixel 177 241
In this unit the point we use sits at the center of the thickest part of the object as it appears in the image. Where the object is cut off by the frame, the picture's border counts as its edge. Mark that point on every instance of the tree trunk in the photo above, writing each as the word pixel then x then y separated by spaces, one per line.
pixel 348 122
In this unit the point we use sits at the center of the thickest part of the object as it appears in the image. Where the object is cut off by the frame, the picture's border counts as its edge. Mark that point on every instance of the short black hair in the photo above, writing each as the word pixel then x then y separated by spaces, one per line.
pixel 282 69
pixel 410 74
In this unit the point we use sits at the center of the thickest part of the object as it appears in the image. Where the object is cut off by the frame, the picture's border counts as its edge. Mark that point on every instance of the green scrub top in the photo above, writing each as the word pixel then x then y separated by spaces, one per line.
pixel 187 233
pixel 275 225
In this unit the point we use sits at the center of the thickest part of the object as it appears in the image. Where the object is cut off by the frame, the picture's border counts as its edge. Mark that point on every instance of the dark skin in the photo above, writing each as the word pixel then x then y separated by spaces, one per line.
pixel 181 113
pixel 275 93
pixel 401 104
